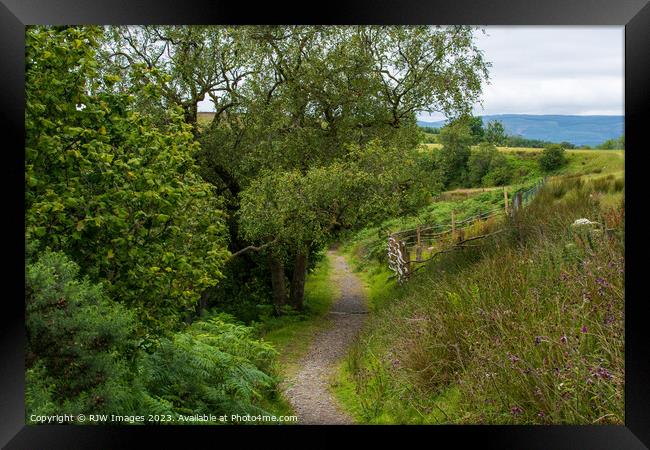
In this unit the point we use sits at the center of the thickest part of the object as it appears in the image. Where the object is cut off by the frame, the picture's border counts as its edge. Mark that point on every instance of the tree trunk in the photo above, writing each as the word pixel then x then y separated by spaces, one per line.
pixel 191 116
pixel 277 281
pixel 298 280
pixel 202 304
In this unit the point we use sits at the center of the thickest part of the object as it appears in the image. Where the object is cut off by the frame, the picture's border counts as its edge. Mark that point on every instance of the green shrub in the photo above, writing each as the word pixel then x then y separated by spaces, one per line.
pixel 487 167
pixel 212 367
pixel 553 157
pixel 80 346
pixel 114 189
pixel 82 356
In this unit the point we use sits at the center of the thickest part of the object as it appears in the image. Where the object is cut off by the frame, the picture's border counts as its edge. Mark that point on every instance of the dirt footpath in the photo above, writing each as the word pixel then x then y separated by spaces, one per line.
pixel 309 390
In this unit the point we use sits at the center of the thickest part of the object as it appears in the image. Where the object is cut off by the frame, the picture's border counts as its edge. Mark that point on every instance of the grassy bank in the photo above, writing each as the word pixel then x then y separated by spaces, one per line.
pixel 527 328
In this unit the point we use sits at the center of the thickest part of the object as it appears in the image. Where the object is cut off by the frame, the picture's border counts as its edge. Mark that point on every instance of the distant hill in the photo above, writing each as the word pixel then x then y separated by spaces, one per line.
pixel 578 130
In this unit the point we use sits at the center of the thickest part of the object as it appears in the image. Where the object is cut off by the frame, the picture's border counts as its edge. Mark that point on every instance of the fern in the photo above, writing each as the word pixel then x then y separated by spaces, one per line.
pixel 212 367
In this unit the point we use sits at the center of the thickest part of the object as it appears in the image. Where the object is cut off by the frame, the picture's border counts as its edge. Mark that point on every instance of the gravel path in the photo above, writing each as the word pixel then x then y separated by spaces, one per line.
pixel 308 391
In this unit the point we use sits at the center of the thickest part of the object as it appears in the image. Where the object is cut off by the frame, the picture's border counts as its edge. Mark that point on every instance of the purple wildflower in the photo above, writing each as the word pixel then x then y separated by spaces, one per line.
pixel 516 410
pixel 583 329
pixel 541 414
pixel 513 358
pixel 602 282
pixel 601 372
pixel 563 339
pixel 538 340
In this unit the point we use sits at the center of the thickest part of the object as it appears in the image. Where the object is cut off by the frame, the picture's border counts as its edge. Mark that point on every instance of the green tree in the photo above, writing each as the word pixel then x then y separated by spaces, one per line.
pixel 314 91
pixel 495 133
pixel 553 157
pixel 111 187
pixel 611 144
pixel 476 129
pixel 486 166
pixel 187 63
pixel 295 212
pixel 456 140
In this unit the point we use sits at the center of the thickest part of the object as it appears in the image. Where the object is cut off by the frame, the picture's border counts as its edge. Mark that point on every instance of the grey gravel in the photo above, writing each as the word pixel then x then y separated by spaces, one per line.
pixel 309 390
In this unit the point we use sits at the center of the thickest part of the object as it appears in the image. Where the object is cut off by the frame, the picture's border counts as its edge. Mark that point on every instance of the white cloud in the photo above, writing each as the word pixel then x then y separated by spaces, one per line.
pixel 552 70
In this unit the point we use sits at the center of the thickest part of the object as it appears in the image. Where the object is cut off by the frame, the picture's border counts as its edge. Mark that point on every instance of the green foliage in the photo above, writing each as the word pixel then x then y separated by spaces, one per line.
pixel 212 367
pixel 281 147
pixel 612 144
pixel 495 133
pixel 80 345
pixel 292 209
pixel 553 157
pixel 111 188
pixel 488 167
pixel 82 356
pixel 456 139
pixel 476 128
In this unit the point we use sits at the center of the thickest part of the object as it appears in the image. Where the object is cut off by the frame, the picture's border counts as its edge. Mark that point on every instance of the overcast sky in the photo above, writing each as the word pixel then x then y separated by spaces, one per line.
pixel 549 70
pixel 552 70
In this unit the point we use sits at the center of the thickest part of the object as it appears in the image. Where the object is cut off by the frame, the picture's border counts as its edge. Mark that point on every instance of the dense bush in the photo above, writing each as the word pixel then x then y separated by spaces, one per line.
pixel 80 345
pixel 456 140
pixel 83 357
pixel 487 167
pixel 553 157
pixel 116 191
pixel 213 367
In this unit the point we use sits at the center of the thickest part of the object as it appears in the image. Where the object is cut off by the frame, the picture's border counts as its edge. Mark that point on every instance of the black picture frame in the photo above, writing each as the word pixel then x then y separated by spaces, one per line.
pixel 16 14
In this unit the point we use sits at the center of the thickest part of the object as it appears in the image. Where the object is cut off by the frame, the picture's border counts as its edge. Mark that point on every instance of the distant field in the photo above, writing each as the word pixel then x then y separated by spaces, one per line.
pixel 204 117
pixel 581 162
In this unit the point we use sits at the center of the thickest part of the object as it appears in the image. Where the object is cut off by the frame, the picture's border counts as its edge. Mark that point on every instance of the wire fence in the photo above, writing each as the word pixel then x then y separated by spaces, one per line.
pixel 409 249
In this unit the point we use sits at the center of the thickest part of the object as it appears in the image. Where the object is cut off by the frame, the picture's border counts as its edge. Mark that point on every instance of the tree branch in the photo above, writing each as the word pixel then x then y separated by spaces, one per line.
pixel 253 248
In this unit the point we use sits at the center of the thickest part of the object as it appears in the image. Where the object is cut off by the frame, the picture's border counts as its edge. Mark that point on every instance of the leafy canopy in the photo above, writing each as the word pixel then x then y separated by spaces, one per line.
pixel 117 192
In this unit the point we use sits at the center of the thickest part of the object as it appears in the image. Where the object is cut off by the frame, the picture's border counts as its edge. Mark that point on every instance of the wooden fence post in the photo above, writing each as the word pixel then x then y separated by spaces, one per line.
pixel 505 199
pixel 407 260
pixel 453 225
pixel 418 249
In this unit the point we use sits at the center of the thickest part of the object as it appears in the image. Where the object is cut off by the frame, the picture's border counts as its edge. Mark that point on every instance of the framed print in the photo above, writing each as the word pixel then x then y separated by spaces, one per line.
pixel 374 219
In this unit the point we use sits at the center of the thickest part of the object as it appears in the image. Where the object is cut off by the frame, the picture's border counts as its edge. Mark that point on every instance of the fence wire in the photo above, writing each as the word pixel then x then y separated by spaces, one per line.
pixel 408 248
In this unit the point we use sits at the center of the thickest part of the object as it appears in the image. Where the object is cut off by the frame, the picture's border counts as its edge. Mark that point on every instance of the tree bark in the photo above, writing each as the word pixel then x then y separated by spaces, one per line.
pixel 202 304
pixel 278 283
pixel 298 280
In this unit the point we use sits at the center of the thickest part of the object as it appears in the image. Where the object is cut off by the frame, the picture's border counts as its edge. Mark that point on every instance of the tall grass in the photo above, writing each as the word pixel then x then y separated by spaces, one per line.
pixel 527 328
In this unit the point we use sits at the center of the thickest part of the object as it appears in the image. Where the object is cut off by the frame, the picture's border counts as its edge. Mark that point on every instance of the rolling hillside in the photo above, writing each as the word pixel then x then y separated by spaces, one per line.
pixel 579 130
